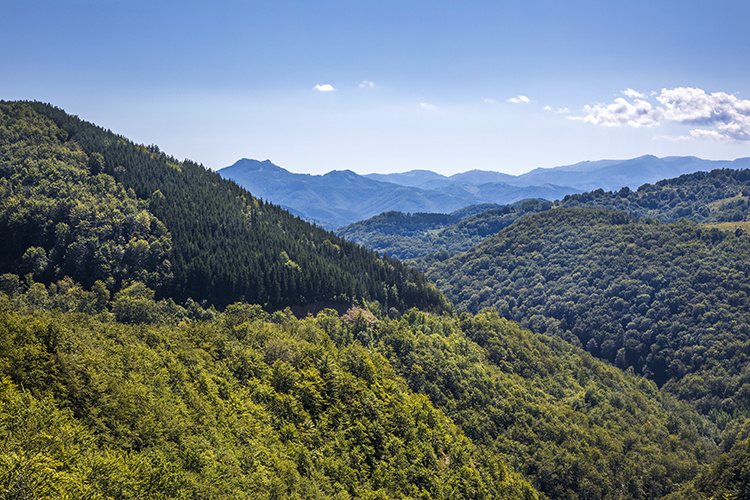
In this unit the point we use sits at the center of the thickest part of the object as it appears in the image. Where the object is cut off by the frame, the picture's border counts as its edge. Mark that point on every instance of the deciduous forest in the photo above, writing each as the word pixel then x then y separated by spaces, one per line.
pixel 164 334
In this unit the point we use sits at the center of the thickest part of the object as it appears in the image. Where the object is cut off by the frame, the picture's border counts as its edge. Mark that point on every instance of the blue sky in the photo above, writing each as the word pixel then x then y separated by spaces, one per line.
pixel 387 86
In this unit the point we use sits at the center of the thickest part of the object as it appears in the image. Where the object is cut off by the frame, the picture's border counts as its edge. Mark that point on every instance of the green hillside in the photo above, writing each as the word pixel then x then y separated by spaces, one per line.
pixel 146 351
pixel 576 427
pixel 669 301
pixel 80 201
pixel 411 236
pixel 716 196
pixel 247 406
pixel 244 404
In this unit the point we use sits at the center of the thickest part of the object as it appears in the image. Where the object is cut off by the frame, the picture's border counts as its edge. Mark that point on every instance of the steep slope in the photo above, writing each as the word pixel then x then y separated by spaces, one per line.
pixel 60 215
pixel 245 407
pixel 81 201
pixel 244 404
pixel 575 426
pixel 669 301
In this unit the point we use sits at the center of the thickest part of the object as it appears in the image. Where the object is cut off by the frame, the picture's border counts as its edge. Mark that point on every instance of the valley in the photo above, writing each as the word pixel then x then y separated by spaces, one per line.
pixel 593 346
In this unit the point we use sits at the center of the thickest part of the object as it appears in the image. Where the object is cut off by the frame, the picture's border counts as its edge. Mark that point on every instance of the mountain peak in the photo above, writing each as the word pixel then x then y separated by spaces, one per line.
pixel 248 165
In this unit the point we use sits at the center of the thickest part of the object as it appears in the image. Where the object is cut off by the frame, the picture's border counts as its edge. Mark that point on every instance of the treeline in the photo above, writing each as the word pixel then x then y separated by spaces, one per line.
pixel 196 235
pixel 187 402
pixel 669 301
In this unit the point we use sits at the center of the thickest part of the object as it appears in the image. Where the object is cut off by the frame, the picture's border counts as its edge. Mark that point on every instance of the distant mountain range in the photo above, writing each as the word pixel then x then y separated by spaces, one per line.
pixel 610 175
pixel 339 198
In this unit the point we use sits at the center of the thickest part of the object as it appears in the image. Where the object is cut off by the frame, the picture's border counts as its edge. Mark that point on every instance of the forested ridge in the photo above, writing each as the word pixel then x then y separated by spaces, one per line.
pixel 410 236
pixel 145 352
pixel 102 401
pixel 669 301
pixel 717 196
pixel 217 244
pixel 61 216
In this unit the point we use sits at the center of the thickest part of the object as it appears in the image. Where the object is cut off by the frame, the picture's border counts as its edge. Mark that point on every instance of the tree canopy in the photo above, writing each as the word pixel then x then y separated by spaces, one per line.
pixel 77 200
pixel 184 402
pixel 669 301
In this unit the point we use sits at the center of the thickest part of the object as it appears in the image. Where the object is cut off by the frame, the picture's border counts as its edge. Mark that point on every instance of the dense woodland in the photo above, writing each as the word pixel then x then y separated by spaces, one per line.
pixel 145 351
pixel 409 236
pixel 248 405
pixel 61 216
pixel 669 301
pixel 101 400
pixel 198 235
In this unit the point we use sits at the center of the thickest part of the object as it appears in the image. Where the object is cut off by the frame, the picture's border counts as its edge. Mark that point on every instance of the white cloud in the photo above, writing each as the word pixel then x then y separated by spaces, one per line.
pixel 427 105
pixel 558 110
pixel 366 83
pixel 719 116
pixel 520 98
pixel 490 101
pixel 324 88
pixel 621 112
pixel 547 108
pixel 729 116
pixel 632 94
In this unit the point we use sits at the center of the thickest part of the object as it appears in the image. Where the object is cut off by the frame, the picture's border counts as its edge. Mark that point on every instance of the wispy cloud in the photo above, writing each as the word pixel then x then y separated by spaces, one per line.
pixel 489 100
pixel 427 105
pixel 366 84
pixel 632 94
pixel 324 88
pixel 558 110
pixel 717 116
pixel 519 99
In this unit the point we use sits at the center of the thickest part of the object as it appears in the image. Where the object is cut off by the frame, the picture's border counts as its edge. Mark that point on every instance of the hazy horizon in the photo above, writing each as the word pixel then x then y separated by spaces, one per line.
pixel 393 86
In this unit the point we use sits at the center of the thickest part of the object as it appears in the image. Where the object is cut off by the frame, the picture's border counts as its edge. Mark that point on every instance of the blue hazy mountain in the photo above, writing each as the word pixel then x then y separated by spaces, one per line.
pixel 341 197
pixel 610 175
